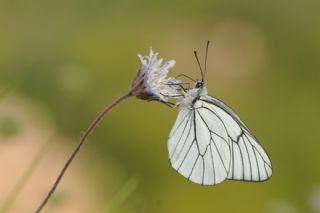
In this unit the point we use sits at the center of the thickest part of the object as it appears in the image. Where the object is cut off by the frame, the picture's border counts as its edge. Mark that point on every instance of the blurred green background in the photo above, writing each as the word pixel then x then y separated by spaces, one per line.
pixel 65 60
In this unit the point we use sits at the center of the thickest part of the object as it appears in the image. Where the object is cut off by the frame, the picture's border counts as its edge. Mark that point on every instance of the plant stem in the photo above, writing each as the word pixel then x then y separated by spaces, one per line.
pixel 122 195
pixel 25 177
pixel 82 140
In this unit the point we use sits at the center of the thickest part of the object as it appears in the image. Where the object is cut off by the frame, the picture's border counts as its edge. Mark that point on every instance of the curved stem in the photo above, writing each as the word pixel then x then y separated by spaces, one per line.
pixel 82 140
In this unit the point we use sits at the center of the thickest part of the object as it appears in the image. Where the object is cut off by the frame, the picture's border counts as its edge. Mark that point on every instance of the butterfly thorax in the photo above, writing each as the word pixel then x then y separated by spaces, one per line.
pixel 190 96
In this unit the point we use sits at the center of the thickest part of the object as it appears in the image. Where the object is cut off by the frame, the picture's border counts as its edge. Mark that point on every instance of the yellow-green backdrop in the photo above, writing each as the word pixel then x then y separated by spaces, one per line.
pixel 62 61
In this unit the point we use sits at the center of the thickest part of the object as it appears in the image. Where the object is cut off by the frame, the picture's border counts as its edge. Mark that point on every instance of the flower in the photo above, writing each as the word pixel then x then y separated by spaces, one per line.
pixel 151 82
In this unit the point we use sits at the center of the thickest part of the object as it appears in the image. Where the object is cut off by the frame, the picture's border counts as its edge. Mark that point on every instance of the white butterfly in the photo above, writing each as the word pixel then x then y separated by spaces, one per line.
pixel 209 143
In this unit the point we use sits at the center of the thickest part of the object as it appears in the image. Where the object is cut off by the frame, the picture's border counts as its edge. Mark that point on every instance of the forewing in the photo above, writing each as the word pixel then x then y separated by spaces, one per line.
pixel 199 147
pixel 249 161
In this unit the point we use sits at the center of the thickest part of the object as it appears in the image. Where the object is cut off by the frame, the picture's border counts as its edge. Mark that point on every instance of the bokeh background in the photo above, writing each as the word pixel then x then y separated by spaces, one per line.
pixel 62 61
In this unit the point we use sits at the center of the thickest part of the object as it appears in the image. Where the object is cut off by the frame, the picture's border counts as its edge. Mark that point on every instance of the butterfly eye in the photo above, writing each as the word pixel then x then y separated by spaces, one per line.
pixel 199 84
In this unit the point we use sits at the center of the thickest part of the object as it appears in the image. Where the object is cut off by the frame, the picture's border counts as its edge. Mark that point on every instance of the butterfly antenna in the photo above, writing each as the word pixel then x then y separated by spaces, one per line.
pixel 205 60
pixel 196 55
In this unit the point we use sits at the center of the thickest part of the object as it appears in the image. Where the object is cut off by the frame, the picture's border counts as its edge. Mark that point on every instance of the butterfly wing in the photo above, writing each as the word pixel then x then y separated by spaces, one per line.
pixel 199 146
pixel 249 161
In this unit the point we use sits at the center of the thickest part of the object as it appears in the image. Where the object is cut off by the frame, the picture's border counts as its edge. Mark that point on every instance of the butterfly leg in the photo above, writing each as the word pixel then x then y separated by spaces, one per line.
pixel 186 76
pixel 169 104
pixel 179 85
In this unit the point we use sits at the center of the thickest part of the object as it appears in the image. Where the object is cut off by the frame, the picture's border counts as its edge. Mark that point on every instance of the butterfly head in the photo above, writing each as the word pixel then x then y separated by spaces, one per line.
pixel 190 96
pixel 199 89
pixel 199 84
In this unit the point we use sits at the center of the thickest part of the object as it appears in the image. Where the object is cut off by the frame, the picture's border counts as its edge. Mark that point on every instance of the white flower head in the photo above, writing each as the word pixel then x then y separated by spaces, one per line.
pixel 151 82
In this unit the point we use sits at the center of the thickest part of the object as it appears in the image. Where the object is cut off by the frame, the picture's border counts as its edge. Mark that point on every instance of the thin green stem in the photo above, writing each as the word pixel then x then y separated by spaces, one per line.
pixel 82 140
pixel 25 177
pixel 122 195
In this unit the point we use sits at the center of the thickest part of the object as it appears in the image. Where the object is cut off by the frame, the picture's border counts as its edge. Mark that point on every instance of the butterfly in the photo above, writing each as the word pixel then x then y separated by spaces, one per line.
pixel 209 143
